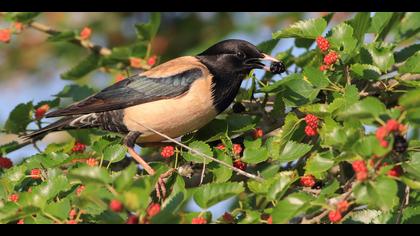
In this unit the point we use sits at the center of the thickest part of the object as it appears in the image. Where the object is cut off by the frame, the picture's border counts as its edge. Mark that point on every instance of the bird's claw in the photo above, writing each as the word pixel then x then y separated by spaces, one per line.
pixel 160 185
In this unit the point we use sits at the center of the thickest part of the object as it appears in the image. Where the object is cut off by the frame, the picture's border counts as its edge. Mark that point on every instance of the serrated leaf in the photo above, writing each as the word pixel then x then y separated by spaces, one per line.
pixel 220 172
pixel 62 36
pixel 293 151
pixel 406 52
pixel 317 109
pixel 85 66
pixel 59 209
pixel 365 71
pixel 360 23
pixel 279 187
pixel 76 92
pixel 148 30
pixel 210 194
pixel 303 29
pixel 319 164
pixel 91 174
pixel 268 45
pixel 412 65
pixel 369 146
pixel 114 153
pixel 316 77
pixel 22 17
pixel 19 118
pixel 409 26
pixel 125 177
pixel 410 99
pixel 342 40
pixel 382 55
pixel 200 147
pixel 255 155
pixel 367 108
pixel 380 194
pixel 289 207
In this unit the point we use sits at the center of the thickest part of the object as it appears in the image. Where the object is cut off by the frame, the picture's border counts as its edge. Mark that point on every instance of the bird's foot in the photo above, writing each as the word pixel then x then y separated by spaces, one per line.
pixel 161 184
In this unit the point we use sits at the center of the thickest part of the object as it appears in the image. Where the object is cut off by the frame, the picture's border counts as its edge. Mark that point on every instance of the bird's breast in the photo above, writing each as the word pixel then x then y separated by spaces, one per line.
pixel 175 116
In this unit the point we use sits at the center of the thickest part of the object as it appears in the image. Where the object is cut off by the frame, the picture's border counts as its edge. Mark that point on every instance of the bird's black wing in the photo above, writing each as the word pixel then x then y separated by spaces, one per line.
pixel 133 91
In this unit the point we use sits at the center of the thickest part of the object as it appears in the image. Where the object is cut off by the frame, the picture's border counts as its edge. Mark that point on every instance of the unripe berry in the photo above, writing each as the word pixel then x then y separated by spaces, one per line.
pixel 135 62
pixel 79 190
pixel 397 171
pixel 5 35
pixel 220 147
pixel 152 60
pixel 323 67
pixel 343 206
pixel 392 125
pixel 132 219
pixel 14 197
pixel 92 162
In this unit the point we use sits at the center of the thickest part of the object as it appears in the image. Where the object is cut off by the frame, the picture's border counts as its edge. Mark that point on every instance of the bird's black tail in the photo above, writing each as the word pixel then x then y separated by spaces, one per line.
pixel 56 126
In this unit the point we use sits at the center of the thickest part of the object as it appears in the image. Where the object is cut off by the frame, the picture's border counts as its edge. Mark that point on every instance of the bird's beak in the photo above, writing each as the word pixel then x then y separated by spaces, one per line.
pixel 256 63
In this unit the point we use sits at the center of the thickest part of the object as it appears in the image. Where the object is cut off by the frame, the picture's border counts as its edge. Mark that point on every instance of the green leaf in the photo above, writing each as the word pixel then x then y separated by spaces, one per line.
pixel 200 147
pixel 148 30
pixel 91 174
pixel 76 92
pixel 213 131
pixel 85 66
pixel 382 23
pixel 268 45
pixel 342 40
pixel 311 29
pixel 19 118
pixel 210 194
pixel 360 23
pixel 406 52
pixel 369 146
pixel 293 151
pixel 410 99
pixel 10 147
pixel 367 108
pixel 125 177
pixel 46 191
pixel 292 205
pixel 279 187
pixel 137 197
pixel 382 55
pixel 23 17
pixel 413 165
pixel 279 141
pixel 59 209
pixel 365 71
pixel 255 155
pixel 316 77
pixel 62 36
pixel 409 26
pixel 380 194
pixel 262 187
pixel 412 65
pixel 238 123
pixel 114 153
pixel 319 164
pixel 318 109
pixel 169 208
pixel 220 172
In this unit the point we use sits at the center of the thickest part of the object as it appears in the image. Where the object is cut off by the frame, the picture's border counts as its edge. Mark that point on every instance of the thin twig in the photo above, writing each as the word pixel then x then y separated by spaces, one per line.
pixel 404 203
pixel 239 171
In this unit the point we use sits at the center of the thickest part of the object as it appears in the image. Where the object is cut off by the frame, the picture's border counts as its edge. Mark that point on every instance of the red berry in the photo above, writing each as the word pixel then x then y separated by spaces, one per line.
pixel 381 133
pixel 362 176
pixel 167 151
pixel 72 214
pixel 307 181
pixel 392 125
pixel 40 111
pixel 323 67
pixel 359 166
pixel 5 163
pixel 322 43
pixel 18 26
pixel 397 171
pixel 85 33
pixel 343 206
pixel 227 217
pixel 199 221
pixel 220 147
pixel 132 220
pixel 116 206
pixel 21 222
pixel 270 220
pixel 330 58
pixel 5 35
pixel 92 162
pixel 258 133
pixel 14 198
pixel 312 121
pixel 78 147
pixel 310 131
pixel 152 60
pixel 239 164
pixel 72 222
pixel 35 173
pixel 79 190
pixel 334 216
pixel 153 209
pixel 135 62
pixel 237 149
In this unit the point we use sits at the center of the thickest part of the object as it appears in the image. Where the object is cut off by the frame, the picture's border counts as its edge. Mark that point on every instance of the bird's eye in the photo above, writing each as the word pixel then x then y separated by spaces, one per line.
pixel 241 55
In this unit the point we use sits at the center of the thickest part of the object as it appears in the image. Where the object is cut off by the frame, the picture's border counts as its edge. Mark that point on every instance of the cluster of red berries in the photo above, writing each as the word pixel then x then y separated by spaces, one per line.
pixel 237 149
pixel 85 33
pixel 5 163
pixel 92 162
pixel 79 190
pixel 258 133
pixel 331 57
pixel 78 147
pixel 392 126
pixel 153 209
pixel 336 215
pixel 311 125
pixel 14 197
pixel 307 181
pixel 6 34
pixel 167 151
pixel 360 169
pixel 199 221
pixel 40 111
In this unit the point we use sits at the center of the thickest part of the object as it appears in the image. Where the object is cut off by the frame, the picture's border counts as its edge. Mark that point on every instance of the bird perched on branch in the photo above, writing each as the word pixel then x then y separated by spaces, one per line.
pixel 174 98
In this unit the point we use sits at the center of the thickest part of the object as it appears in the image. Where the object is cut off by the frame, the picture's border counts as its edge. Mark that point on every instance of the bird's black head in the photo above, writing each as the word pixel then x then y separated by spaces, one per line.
pixel 230 61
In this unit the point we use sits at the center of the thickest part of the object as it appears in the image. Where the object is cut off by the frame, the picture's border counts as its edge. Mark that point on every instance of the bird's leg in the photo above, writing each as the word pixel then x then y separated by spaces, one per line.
pixel 129 141
pixel 160 187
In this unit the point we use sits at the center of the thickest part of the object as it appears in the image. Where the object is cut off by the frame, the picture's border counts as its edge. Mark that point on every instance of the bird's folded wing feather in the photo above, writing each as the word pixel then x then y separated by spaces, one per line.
pixel 146 87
